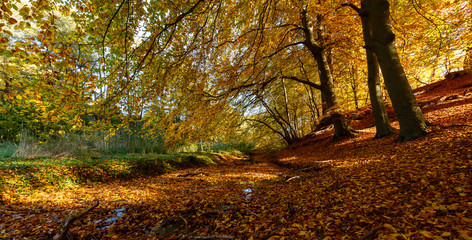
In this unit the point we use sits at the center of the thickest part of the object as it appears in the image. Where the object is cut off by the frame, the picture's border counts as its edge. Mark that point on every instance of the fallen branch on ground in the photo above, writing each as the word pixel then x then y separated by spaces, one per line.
pixel 67 225
pixel 429 124
pixel 192 174
pixel 253 213
pixel 293 178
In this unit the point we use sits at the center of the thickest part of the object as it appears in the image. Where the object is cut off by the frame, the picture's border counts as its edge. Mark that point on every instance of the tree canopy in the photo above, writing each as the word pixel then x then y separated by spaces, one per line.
pixel 203 70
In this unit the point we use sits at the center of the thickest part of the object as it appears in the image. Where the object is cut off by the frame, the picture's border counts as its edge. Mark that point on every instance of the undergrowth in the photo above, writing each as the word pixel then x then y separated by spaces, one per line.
pixel 7 149
pixel 20 174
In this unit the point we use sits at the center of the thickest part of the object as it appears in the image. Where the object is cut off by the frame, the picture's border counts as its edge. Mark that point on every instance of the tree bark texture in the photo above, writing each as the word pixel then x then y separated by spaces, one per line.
pixel 382 124
pixel 409 114
pixel 328 91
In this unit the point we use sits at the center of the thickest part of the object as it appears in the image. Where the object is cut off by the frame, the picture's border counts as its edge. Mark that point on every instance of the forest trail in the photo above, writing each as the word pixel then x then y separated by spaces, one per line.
pixel 316 189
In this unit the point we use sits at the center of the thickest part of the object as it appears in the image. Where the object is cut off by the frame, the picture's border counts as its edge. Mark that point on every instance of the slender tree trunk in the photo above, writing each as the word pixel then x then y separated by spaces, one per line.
pixel 353 84
pixel 409 115
pixel 382 124
pixel 328 91
pixel 341 128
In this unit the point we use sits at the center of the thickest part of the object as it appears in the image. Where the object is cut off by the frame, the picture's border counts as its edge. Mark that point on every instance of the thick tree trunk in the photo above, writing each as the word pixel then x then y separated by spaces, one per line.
pixel 409 115
pixel 382 124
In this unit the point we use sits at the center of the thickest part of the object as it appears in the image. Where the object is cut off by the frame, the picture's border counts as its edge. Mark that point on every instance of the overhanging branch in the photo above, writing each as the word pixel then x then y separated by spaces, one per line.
pixel 311 84
pixel 357 9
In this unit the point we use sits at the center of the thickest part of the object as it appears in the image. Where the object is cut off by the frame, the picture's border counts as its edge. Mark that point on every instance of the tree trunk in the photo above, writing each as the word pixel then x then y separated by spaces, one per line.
pixel 382 125
pixel 409 115
pixel 467 65
pixel 341 128
pixel 328 92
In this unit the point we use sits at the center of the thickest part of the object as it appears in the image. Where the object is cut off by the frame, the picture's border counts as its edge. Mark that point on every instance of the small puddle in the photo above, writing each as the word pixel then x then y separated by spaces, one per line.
pixel 119 213
pixel 247 192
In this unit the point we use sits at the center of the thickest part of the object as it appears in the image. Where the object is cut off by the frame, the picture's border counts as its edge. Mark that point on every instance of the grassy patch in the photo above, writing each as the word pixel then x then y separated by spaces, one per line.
pixel 7 149
pixel 23 174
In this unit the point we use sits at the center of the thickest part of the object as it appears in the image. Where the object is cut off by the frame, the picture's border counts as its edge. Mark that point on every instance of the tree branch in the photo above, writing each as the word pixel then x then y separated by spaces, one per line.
pixel 311 84
pixel 284 47
pixel 67 225
pixel 268 126
pixel 153 42
pixel 108 26
pixel 357 9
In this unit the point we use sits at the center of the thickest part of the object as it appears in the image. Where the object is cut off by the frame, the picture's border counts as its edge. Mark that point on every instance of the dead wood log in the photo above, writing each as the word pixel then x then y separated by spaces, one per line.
pixel 72 219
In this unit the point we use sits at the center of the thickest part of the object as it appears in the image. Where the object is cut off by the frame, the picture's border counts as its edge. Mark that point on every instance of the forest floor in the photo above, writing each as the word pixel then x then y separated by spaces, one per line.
pixel 355 188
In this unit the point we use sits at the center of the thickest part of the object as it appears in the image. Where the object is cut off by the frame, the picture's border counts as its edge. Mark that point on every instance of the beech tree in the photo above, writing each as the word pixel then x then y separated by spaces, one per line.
pixel 382 124
pixel 281 31
pixel 313 40
pixel 159 61
pixel 409 114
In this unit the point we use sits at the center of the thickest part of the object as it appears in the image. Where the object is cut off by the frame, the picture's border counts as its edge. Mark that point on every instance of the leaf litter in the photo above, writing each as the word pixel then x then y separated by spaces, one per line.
pixel 355 188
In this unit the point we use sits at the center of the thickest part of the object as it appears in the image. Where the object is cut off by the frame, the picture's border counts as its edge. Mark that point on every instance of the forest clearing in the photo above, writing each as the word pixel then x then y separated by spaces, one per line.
pixel 235 119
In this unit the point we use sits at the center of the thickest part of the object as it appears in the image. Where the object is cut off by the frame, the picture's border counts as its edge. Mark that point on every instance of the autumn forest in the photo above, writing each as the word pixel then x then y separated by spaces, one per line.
pixel 236 119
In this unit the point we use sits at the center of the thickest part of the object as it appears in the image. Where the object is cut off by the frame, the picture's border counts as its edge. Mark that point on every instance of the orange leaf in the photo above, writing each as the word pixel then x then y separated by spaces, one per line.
pixel 12 21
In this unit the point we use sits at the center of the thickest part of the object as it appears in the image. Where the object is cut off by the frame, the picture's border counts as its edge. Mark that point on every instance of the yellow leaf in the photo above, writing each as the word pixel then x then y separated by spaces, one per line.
pixel 454 206
pixel 386 225
pixel 296 225
pixel 465 235
pixel 446 234
pixel 427 234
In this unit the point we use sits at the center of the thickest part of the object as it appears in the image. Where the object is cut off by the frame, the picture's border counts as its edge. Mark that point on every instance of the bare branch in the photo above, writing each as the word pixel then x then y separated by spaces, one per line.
pixel 311 84
pixel 267 125
pixel 354 7
pixel 67 225
pixel 284 47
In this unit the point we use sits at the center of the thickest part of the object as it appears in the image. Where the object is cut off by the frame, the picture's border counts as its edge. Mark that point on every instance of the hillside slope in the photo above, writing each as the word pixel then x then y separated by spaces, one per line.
pixel 447 104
